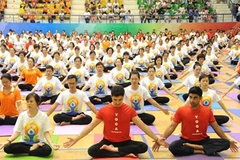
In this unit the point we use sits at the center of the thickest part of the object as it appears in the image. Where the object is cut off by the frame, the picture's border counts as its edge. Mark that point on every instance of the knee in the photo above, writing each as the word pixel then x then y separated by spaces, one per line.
pixel 92 151
pixel 88 119
pixel 143 148
pixel 47 150
pixel 8 149
pixel 226 144
pixel 150 120
pixel 173 148
pixel 56 118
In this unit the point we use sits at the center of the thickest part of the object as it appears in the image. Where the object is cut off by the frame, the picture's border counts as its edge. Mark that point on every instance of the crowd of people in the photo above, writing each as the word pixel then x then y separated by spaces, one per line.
pixel 123 72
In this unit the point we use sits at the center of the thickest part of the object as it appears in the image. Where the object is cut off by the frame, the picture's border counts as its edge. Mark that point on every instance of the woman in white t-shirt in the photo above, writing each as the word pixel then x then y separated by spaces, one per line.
pixel 169 66
pixel 136 94
pixel 90 64
pixel 10 60
pixel 152 84
pixel 161 71
pixel 60 70
pixel 49 85
pixel 108 60
pixel 236 83
pixel 33 126
pixel 209 96
pixel 119 74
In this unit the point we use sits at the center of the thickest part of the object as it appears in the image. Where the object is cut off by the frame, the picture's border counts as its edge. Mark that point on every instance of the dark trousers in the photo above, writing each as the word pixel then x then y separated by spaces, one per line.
pixel 108 68
pixel 234 62
pixel 210 146
pixel 160 100
pixel 105 99
pixel 125 148
pixel 238 97
pixel 15 78
pixel 172 76
pixel 61 77
pixel 25 87
pixel 185 60
pixel 221 119
pixel 141 69
pixel 125 84
pixel 4 71
pixel 21 148
pixel 42 69
pixel 213 69
pixel 148 119
pixel 64 117
pixel 168 85
pixel 8 120
pixel 52 98
pixel 178 68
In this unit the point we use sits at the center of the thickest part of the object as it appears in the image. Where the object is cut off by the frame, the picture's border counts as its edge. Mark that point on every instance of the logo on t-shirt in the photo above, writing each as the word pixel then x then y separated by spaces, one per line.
pixel 57 70
pixel 92 68
pixel 44 62
pixel 21 68
pixel 79 76
pixel 152 89
pixel 135 100
pixel 11 62
pixel 109 62
pixel 31 131
pixel 159 74
pixel 196 83
pixel 100 87
pixel 72 105
pixel 48 89
pixel 120 77
pixel 141 63
pixel 206 101
pixel 127 67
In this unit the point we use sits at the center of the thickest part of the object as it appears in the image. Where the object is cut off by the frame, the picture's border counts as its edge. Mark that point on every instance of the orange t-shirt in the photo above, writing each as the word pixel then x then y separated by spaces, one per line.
pixel 8 102
pixel 105 45
pixel 31 75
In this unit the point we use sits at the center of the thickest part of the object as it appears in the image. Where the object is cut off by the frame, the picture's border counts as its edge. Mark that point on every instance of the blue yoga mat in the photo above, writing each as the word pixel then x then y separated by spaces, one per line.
pixel 173 80
pixel 210 129
pixel 153 108
pixel 180 95
pixel 98 106
pixel 230 83
pixel 235 111
pixel 215 105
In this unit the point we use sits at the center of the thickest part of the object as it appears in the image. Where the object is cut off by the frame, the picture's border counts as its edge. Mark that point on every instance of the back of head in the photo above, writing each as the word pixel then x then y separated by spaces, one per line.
pixel 117 91
pixel 195 90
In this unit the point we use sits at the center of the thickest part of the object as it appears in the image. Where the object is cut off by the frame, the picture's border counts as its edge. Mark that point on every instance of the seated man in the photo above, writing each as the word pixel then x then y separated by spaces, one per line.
pixel 72 100
pixel 194 139
pixel 99 83
pixel 116 141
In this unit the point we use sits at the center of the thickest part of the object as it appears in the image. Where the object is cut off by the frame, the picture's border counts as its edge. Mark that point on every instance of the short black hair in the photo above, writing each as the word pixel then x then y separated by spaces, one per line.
pixel 117 91
pixel 155 59
pixel 7 76
pixel 100 64
pixel 126 53
pixel 196 64
pixel 22 52
pixel 32 59
pixel 78 58
pixel 49 67
pixel 195 90
pixel 151 67
pixel 56 53
pixel 203 76
pixel 92 52
pixel 35 96
pixel 72 76
pixel 121 60
pixel 200 56
pixel 134 72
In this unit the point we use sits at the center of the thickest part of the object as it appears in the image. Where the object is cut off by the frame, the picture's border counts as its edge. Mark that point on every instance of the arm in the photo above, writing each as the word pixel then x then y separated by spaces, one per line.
pixel 218 130
pixel 10 139
pixel 170 129
pixel 85 88
pixel 153 102
pixel 179 87
pixel 224 108
pixel 232 86
pixel 49 139
pixel 19 106
pixel 183 74
pixel 234 75
pixel 18 81
pixel 168 92
pixel 92 107
pixel 52 108
pixel 168 77
pixel 85 132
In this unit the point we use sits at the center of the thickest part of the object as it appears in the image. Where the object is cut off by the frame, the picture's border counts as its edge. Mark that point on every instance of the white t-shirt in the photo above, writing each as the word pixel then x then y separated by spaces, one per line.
pixel 58 67
pixel 160 72
pixel 108 61
pixel 99 85
pixel 72 102
pixel 205 69
pixel 19 66
pixel 191 81
pixel 237 81
pixel 209 97
pixel 128 65
pixel 152 85
pixel 36 55
pixel 119 76
pixel 44 61
pixel 81 73
pixel 91 66
pixel 10 61
pixel 32 129
pixel 50 87
pixel 168 65
pixel 135 98
pixel 141 62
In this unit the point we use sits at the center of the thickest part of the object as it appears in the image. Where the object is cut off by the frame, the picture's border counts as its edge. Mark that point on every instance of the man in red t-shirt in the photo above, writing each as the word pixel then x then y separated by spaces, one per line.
pixel 194 139
pixel 116 141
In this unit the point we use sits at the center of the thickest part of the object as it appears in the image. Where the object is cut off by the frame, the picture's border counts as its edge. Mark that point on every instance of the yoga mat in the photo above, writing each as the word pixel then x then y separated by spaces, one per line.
pixel 45 107
pixel 6 130
pixel 235 111
pixel 233 96
pixel 153 108
pixel 134 129
pixel 98 106
pixel 210 129
pixel 180 95
pixel 23 157
pixel 235 136
pixel 68 129
pixel 172 138
pixel 173 80
pixel 200 157
pixel 143 73
pixel 230 83
pixel 97 139
pixel 215 105
pixel 161 92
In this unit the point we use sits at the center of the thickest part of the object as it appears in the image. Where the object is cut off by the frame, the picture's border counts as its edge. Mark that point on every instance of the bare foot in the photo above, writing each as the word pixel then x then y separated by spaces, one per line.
pixel 108 148
pixel 80 116
pixel 98 99
pixel 64 123
pixel 2 116
pixel 131 155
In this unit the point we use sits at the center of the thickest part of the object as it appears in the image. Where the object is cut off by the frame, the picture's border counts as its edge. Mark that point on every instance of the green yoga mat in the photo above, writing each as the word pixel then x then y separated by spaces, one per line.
pixel 23 157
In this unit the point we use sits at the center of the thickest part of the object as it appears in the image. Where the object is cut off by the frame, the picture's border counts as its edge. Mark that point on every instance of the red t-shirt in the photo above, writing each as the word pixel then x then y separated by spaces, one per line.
pixel 194 122
pixel 116 122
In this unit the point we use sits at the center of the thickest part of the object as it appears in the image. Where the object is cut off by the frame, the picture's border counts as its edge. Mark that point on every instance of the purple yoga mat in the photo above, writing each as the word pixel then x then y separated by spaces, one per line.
pixel 45 107
pixel 235 136
pixel 172 138
pixel 161 92
pixel 6 130
pixel 200 157
pixel 233 96
pixel 134 129
pixel 68 130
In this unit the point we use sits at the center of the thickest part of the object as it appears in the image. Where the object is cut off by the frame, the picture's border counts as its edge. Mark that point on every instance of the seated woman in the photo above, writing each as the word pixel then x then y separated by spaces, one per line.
pixel 60 69
pixel 161 71
pixel 141 61
pixel 90 64
pixel 19 66
pixel 135 96
pixel 43 60
pixel 49 86
pixel 127 63
pixel 79 71
pixel 191 80
pixel 209 96
pixel 10 61
pixel 175 58
pixel 99 83
pixel 108 60
pixel 119 74
pixel 72 100
pixel 236 83
pixel 33 126
pixel 30 74
pixel 169 66
pixel 10 101
pixel 152 84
